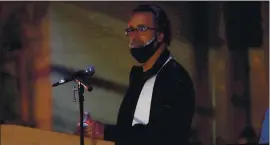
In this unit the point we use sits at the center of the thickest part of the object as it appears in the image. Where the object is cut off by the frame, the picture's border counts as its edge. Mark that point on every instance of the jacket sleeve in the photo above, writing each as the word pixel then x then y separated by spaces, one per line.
pixel 110 132
pixel 173 122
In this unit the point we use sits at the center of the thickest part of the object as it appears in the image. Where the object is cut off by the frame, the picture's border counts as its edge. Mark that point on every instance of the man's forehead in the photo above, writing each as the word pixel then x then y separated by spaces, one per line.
pixel 138 18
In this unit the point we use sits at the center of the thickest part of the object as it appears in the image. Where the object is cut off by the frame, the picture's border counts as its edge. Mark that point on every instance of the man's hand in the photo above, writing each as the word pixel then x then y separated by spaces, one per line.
pixel 92 128
pixel 97 130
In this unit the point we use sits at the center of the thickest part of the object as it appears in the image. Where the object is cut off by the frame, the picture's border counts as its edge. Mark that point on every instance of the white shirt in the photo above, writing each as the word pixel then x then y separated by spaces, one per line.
pixel 142 112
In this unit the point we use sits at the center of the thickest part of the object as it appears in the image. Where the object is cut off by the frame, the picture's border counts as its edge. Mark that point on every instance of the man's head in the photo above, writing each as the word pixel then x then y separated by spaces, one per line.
pixel 148 29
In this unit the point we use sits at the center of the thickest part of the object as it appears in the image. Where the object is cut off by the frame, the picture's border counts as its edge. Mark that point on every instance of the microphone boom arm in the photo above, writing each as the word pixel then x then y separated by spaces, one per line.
pixel 86 87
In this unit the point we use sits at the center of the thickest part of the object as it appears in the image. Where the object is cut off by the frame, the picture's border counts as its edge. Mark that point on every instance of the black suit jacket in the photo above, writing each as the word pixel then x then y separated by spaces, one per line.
pixel 171 112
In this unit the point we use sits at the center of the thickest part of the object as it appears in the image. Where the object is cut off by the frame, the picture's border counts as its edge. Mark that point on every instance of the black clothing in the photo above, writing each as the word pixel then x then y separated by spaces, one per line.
pixel 171 112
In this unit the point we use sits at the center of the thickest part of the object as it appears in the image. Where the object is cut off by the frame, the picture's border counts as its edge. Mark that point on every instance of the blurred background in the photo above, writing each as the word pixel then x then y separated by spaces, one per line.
pixel 223 45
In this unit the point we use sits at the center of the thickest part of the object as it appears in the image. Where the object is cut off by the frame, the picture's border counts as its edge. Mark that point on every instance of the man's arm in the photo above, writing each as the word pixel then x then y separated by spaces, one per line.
pixel 110 132
pixel 172 126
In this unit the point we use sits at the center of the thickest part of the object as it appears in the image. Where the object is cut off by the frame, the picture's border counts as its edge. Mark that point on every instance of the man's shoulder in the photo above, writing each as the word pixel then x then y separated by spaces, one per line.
pixel 174 78
pixel 176 71
pixel 174 66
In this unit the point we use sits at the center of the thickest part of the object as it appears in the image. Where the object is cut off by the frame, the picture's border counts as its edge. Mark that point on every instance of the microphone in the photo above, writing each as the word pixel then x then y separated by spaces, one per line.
pixel 88 72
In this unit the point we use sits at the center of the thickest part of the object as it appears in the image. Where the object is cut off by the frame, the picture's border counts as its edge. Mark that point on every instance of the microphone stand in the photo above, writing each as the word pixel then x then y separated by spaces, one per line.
pixel 81 100
pixel 80 90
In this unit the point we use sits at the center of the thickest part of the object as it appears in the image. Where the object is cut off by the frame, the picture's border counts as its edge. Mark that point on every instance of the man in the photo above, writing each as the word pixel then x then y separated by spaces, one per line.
pixel 264 138
pixel 159 104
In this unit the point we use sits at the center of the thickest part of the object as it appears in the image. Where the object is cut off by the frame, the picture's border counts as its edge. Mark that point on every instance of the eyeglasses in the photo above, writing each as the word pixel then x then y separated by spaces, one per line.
pixel 139 28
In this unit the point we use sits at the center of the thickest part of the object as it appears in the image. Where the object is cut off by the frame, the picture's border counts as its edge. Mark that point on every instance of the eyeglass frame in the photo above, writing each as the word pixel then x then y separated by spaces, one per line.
pixel 137 29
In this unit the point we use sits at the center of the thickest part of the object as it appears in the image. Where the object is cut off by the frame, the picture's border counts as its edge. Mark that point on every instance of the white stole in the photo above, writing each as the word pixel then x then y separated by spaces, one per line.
pixel 142 112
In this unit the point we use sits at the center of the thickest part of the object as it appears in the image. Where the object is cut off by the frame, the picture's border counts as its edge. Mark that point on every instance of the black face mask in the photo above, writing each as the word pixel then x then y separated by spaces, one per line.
pixel 143 53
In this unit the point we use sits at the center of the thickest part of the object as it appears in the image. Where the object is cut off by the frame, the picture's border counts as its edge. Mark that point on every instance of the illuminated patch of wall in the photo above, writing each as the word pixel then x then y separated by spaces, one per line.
pixel 259 73
pixel 259 87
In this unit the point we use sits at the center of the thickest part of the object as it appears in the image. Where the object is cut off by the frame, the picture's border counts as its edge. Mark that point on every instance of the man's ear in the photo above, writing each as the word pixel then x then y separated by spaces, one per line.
pixel 160 37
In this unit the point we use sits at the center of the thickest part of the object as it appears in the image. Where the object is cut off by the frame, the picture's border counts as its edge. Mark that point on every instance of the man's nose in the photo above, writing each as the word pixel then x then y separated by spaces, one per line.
pixel 133 34
pixel 131 38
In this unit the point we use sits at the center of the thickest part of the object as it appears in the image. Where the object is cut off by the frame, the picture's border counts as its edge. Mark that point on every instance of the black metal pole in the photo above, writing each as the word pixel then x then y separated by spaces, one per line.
pixel 81 100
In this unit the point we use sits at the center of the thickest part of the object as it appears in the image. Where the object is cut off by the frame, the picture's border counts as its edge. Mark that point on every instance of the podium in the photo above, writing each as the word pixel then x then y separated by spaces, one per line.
pixel 19 135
